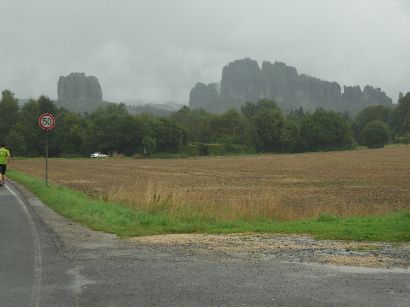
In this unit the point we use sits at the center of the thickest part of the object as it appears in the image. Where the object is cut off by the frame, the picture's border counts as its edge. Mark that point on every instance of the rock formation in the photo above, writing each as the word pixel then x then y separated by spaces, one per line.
pixel 241 81
pixel 205 95
pixel 244 81
pixel 80 93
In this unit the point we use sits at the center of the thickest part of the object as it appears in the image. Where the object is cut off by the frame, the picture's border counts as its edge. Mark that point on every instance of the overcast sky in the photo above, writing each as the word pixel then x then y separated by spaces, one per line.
pixel 156 50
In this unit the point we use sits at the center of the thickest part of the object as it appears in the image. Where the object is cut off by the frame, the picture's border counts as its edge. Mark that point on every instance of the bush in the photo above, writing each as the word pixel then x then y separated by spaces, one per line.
pixel 375 135
pixel 402 139
pixel 203 149
pixel 325 130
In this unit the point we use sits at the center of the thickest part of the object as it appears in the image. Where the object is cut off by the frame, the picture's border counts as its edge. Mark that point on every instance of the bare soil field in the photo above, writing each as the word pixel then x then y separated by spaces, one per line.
pixel 284 187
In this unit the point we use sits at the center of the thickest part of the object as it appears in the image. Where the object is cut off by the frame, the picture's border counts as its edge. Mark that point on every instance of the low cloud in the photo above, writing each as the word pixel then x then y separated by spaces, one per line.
pixel 156 50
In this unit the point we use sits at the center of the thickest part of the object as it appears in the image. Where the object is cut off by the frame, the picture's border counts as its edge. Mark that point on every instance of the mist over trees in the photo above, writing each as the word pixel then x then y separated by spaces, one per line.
pixel 260 127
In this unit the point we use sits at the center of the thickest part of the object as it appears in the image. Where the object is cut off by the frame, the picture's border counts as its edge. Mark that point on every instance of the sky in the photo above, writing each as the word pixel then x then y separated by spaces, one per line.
pixel 156 50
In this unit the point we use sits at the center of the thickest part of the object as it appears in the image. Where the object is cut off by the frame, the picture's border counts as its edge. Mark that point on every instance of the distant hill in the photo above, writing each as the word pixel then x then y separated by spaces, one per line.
pixel 164 109
pixel 245 81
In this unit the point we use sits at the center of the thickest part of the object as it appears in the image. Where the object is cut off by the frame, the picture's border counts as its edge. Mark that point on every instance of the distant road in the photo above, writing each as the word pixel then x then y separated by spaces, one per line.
pixel 47 260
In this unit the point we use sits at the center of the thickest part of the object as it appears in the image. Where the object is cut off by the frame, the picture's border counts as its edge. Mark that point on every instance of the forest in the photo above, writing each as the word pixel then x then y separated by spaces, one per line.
pixel 260 127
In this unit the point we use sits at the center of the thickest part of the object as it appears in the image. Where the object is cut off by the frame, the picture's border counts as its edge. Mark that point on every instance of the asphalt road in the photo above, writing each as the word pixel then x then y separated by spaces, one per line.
pixel 47 260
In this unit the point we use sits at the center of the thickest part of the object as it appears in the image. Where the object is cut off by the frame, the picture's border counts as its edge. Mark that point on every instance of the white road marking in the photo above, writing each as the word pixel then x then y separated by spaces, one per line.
pixel 36 288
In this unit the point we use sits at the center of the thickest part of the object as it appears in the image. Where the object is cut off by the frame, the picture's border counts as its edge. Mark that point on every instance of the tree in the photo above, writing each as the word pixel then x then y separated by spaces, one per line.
pixel 289 136
pixel 250 109
pixel 195 123
pixel 375 135
pixel 230 127
pixel 28 126
pixel 16 142
pixel 71 135
pixel 46 105
pixel 400 117
pixel 169 136
pixel 325 130
pixel 269 127
pixel 369 114
pixel 8 113
pixel 113 130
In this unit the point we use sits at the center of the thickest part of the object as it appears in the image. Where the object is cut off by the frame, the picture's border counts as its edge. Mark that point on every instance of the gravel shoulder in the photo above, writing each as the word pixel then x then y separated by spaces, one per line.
pixel 290 248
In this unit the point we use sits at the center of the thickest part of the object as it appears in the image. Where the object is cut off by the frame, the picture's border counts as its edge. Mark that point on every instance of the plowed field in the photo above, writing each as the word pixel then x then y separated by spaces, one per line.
pixel 284 187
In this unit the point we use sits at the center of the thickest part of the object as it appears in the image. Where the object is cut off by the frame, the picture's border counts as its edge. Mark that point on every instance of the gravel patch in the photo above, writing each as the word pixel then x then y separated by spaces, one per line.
pixel 292 248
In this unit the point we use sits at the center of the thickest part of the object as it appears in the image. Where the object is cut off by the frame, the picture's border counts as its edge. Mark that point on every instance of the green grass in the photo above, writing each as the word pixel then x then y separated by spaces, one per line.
pixel 126 222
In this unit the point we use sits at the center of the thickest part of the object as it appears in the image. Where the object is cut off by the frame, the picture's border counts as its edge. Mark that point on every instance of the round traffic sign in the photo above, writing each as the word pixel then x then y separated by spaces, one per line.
pixel 46 121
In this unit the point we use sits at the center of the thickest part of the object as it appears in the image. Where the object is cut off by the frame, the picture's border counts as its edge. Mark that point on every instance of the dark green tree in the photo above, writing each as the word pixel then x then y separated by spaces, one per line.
pixel 270 130
pixel 230 128
pixel 71 135
pixel 250 109
pixel 400 117
pixel 113 130
pixel 325 130
pixel 375 135
pixel 147 124
pixel 196 123
pixel 16 141
pixel 28 126
pixel 9 108
pixel 46 105
pixel 169 136
pixel 290 135
pixel 369 114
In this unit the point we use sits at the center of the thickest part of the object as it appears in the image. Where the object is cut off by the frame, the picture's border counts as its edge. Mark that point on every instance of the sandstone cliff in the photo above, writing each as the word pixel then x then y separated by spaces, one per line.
pixel 205 95
pixel 78 92
pixel 244 81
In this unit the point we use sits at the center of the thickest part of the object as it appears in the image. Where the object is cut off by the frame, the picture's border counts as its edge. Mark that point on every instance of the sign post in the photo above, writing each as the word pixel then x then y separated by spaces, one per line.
pixel 46 122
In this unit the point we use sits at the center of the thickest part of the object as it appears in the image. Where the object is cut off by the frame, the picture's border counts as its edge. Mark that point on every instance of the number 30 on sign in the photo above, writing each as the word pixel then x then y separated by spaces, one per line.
pixel 46 121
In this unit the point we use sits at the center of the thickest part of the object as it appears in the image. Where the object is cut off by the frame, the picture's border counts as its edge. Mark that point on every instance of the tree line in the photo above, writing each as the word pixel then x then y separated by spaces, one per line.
pixel 259 127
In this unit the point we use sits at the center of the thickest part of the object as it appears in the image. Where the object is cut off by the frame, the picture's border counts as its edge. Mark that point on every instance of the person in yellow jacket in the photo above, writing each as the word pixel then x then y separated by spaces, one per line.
pixel 4 160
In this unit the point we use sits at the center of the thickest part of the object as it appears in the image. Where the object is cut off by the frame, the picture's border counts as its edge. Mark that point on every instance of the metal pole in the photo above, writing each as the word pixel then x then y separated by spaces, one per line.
pixel 46 158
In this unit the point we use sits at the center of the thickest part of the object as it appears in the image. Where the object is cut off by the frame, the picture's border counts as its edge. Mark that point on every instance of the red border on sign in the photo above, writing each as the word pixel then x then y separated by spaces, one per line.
pixel 41 125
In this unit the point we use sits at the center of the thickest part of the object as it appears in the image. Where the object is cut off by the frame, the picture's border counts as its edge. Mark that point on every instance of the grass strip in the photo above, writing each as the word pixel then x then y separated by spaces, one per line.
pixel 125 222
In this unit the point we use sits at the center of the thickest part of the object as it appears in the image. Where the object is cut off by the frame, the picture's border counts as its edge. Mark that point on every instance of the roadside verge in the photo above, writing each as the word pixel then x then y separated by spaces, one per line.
pixel 125 222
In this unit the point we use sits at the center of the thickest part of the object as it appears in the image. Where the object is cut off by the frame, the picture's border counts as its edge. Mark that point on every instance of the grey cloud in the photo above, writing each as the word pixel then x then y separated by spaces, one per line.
pixel 156 50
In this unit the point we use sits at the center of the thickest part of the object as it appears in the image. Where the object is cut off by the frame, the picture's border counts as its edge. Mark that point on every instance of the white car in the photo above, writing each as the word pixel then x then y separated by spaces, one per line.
pixel 98 155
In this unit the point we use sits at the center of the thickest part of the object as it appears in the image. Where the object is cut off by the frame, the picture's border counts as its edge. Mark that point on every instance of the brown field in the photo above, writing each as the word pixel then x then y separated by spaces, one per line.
pixel 284 187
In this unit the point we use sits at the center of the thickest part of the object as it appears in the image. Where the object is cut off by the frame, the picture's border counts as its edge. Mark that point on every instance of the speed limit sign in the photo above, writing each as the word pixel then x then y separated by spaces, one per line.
pixel 46 121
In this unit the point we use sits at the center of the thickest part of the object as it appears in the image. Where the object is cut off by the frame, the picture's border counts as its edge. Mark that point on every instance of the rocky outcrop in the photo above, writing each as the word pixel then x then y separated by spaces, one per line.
pixel 354 99
pixel 244 81
pixel 205 95
pixel 373 95
pixel 78 92
pixel 290 90
pixel 280 82
pixel 241 81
